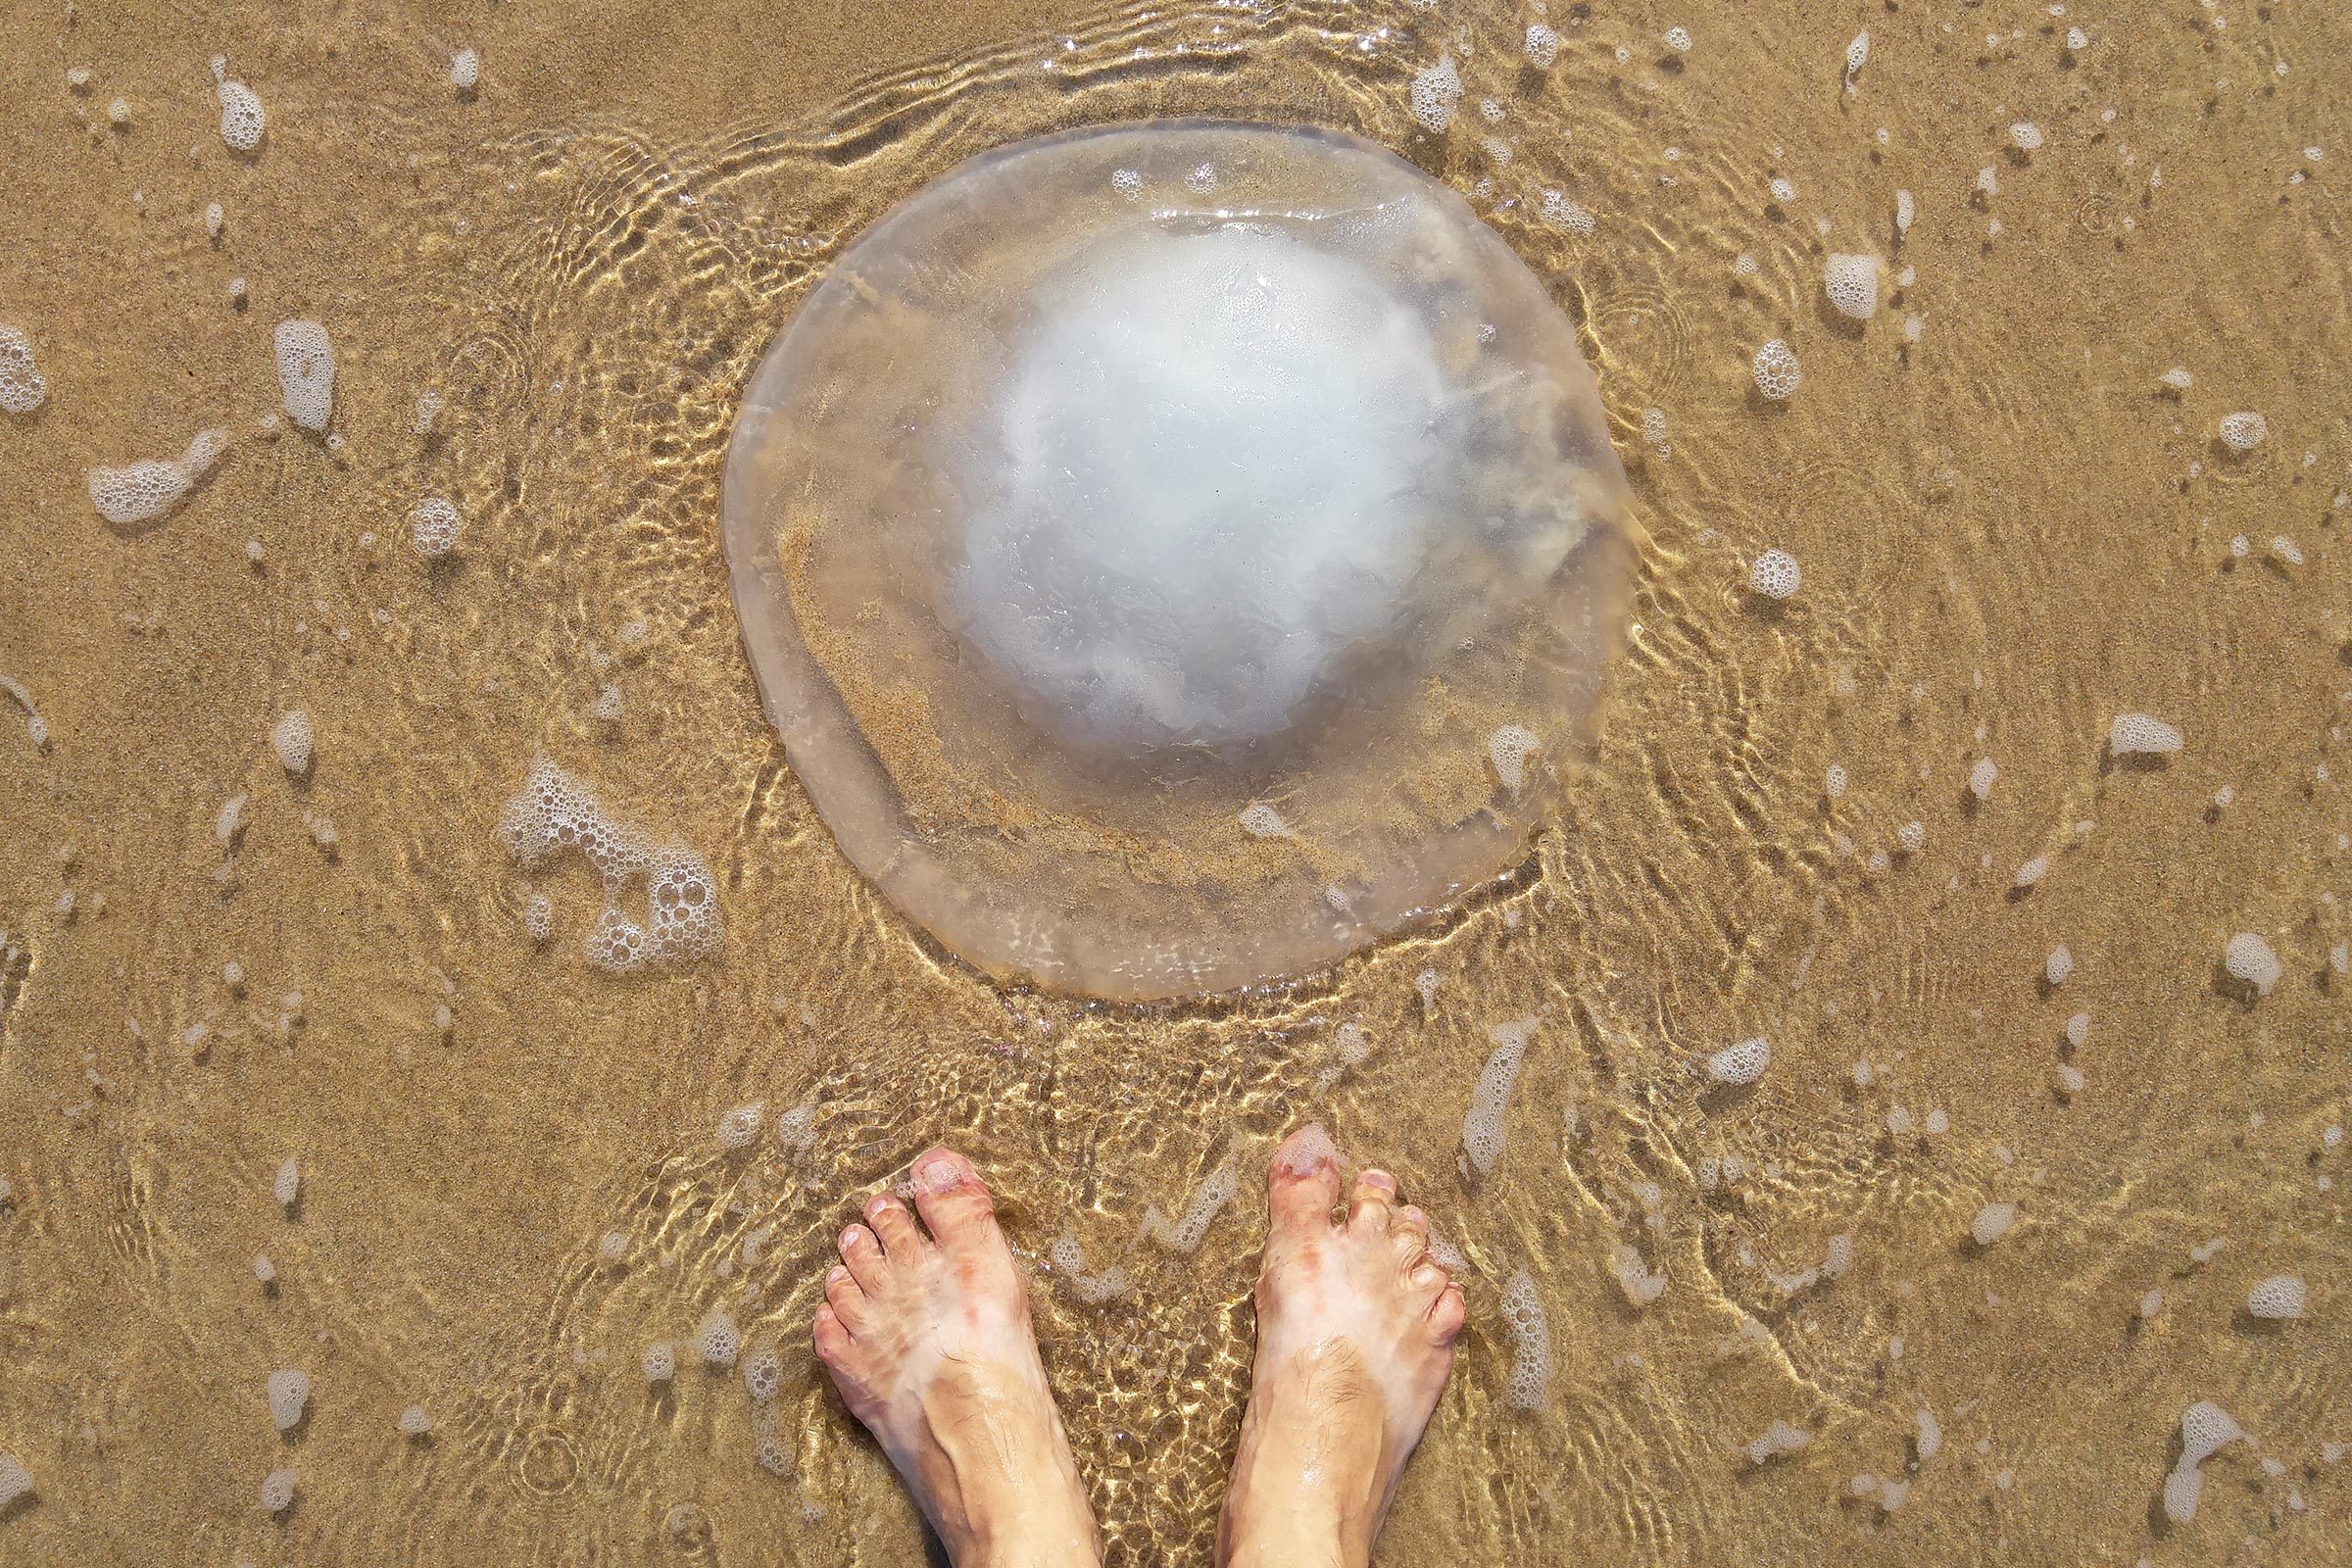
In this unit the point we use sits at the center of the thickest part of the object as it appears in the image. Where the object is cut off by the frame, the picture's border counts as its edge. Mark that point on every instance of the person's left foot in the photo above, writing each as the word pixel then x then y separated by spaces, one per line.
pixel 1356 1331
pixel 928 1339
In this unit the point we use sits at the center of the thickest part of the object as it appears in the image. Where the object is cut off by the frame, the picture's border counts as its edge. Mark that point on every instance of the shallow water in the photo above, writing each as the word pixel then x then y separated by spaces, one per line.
pixel 2010 532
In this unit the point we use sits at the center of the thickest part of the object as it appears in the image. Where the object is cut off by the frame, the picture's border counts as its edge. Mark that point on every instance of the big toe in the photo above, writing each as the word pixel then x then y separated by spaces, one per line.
pixel 957 1205
pixel 1304 1182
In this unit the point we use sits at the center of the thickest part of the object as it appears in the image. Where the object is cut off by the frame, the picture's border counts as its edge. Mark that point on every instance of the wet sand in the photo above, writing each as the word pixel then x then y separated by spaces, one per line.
pixel 2010 531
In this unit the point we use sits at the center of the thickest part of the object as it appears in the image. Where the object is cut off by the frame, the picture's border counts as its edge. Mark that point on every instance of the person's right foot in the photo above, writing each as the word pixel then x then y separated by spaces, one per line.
pixel 928 1340
pixel 1356 1331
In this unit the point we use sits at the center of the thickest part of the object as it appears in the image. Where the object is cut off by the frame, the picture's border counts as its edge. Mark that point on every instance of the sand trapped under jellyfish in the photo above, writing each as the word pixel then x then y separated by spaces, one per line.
pixel 1119 483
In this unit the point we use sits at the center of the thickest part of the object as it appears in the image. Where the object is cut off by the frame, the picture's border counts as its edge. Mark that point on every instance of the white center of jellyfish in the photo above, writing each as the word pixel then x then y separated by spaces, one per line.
pixel 1207 484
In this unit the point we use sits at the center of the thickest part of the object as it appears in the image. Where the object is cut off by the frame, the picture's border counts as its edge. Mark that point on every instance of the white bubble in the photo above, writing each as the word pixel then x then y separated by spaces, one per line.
pixel 660 1362
pixel 415 1422
pixel 1852 280
pixel 1508 749
pixel 2181 1490
pixel 2248 957
pixel 2277 1297
pixel 14 1479
pixel 1980 778
pixel 466 70
pixel 2058 966
pixel 1434 91
pixel 2205 1430
pixel 1483 1130
pixel 1543 46
pixel 242 120
pixel 2139 735
pixel 141 491
pixel 1775 575
pixel 306 373
pixel 289 1397
pixel 288 1186
pixel 434 527
pixel 1529 1384
pixel 290 738
pixel 23 387
pixel 1742 1063
pixel 1776 1440
pixel 717 1340
pixel 1991 1223
pixel 2245 430
pixel 1562 213
pixel 738 1127
pixel 1776 371
pixel 277 1490
pixel 1261 821
pixel 2026 135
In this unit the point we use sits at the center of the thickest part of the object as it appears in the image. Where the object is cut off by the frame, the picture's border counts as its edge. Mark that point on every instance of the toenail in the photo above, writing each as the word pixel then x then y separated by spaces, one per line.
pixel 836 1274
pixel 849 1237
pixel 938 1176
pixel 1380 1179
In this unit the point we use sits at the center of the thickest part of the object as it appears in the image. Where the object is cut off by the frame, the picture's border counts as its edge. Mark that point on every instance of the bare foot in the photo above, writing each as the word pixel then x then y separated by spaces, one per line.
pixel 928 1340
pixel 1356 1331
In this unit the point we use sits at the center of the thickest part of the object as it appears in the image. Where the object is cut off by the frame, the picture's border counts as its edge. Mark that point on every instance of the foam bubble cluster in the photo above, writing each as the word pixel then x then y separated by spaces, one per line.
pixel 291 739
pixel 1991 1223
pixel 554 812
pixel 2139 735
pixel 717 1340
pixel 1777 372
pixel 142 491
pixel 277 1490
pixel 1483 1134
pixel 2277 1297
pixel 434 527
pixel 2245 430
pixel 1287 483
pixel 1208 1200
pixel 1775 575
pixel 1852 283
pixel 1529 1384
pixel 23 387
pixel 1508 748
pixel 1434 91
pixel 2248 957
pixel 14 1479
pixel 242 119
pixel 290 1395
pixel 1543 46
pixel 1740 1064
pixel 306 373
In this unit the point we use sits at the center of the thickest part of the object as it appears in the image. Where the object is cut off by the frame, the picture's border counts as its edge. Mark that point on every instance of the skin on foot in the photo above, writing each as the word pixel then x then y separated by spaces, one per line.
pixel 1356 1331
pixel 925 1329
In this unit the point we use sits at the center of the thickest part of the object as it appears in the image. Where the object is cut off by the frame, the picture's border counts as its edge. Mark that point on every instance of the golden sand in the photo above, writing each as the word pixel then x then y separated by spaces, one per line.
pixel 2010 531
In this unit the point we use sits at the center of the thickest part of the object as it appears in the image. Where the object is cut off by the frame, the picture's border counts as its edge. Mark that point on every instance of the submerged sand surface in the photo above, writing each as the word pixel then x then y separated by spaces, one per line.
pixel 511 1175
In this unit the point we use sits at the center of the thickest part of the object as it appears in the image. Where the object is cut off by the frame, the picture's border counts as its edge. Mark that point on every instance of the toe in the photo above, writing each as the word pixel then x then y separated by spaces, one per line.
pixel 1304 1184
pixel 1447 1315
pixel 957 1205
pixel 1424 1284
pixel 863 1254
pixel 831 1337
pixel 1373 1203
pixel 1408 1235
pixel 893 1225
pixel 847 1298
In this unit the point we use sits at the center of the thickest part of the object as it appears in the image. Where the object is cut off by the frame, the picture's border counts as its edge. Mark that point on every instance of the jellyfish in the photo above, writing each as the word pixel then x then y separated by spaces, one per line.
pixel 1125 490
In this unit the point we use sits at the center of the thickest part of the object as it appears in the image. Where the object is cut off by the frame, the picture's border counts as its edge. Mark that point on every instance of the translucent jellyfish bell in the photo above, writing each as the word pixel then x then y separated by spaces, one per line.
pixel 1176 555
